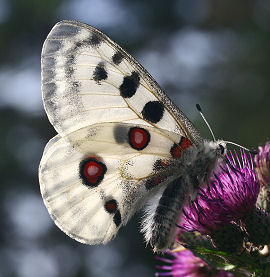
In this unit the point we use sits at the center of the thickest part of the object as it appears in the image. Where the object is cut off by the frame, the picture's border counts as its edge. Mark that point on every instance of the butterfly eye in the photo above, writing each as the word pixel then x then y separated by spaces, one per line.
pixel 222 149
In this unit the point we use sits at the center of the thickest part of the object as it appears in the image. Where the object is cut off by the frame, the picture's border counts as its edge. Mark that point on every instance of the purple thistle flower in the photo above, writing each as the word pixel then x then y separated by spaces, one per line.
pixel 231 194
pixel 185 263
pixel 262 162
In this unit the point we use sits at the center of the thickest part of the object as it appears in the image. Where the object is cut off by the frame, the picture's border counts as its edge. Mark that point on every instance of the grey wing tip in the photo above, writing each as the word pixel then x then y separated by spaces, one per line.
pixel 74 23
pixel 65 29
pixel 78 24
pixel 67 21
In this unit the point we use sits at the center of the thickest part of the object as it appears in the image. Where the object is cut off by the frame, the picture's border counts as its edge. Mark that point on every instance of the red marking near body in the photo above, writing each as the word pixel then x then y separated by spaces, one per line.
pixel 185 143
pixel 158 180
pixel 164 163
pixel 92 171
pixel 176 149
pixel 176 152
pixel 138 138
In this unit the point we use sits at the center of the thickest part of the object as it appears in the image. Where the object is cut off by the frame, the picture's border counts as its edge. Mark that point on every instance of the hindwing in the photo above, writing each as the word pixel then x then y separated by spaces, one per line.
pixel 90 190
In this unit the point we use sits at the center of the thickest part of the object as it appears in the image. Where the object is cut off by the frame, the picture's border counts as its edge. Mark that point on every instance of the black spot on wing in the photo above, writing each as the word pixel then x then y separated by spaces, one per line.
pixel 130 85
pixel 100 72
pixel 111 207
pixel 117 218
pixel 153 111
pixel 94 40
pixel 117 58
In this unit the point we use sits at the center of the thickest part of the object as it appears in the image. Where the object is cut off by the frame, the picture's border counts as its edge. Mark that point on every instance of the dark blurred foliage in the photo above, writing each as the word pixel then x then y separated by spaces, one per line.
pixel 213 52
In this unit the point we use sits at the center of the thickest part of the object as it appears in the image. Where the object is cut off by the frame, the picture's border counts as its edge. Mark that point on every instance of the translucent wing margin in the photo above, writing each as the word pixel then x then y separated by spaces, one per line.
pixel 87 78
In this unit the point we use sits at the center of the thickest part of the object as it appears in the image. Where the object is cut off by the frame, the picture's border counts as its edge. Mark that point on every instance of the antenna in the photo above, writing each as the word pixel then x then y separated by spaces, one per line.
pixel 240 146
pixel 227 142
pixel 203 117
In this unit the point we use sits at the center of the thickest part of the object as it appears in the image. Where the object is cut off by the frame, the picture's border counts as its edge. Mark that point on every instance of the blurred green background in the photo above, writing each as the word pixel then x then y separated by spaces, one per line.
pixel 212 52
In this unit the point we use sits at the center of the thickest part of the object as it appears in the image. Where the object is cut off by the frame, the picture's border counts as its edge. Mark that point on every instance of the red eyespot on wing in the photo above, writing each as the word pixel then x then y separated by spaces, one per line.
pixel 92 171
pixel 111 206
pixel 185 143
pixel 138 138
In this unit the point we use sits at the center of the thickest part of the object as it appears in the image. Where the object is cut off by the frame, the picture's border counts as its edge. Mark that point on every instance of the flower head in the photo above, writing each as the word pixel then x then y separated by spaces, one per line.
pixel 185 263
pixel 262 162
pixel 231 194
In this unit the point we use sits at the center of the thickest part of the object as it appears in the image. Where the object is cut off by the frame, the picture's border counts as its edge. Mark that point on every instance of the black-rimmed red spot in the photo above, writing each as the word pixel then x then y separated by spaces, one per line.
pixel 138 138
pixel 111 206
pixel 185 143
pixel 92 171
pixel 177 148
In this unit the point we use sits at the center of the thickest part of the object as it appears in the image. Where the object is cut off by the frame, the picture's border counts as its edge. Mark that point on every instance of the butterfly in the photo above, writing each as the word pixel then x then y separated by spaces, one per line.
pixel 122 144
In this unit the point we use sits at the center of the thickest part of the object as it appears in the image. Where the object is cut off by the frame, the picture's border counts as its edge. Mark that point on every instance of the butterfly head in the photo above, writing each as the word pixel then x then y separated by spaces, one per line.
pixel 210 154
pixel 219 147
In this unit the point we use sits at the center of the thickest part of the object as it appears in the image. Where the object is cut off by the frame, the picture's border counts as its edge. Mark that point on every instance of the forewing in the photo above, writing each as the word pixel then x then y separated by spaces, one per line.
pixel 87 78
pixel 89 189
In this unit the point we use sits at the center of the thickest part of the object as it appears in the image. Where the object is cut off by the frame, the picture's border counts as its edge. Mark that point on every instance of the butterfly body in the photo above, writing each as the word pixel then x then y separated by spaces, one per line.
pixel 121 144
pixel 163 211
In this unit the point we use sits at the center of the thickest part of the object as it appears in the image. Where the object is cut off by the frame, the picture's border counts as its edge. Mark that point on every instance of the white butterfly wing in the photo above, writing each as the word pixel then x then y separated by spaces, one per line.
pixel 89 189
pixel 87 78
pixel 119 134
